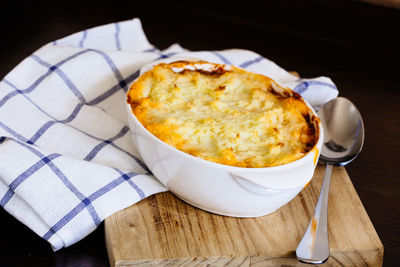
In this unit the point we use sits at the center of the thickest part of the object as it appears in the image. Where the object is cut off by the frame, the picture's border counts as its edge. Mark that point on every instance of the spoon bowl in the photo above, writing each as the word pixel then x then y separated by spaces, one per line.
pixel 343 140
pixel 344 132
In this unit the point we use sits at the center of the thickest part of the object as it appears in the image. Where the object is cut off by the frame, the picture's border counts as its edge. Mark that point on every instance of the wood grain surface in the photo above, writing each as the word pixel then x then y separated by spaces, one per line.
pixel 164 230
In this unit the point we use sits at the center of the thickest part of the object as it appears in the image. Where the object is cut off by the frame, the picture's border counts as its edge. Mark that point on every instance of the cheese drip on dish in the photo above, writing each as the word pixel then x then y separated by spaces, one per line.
pixel 224 114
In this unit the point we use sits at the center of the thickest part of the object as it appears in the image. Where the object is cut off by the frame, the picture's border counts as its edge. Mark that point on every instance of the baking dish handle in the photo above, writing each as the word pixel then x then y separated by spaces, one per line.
pixel 253 187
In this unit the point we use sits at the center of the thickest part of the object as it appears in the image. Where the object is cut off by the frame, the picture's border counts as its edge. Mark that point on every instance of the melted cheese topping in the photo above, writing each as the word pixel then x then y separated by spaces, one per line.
pixel 223 114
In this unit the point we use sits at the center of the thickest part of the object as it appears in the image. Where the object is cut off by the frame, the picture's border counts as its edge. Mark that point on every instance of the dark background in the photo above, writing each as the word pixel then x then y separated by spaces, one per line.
pixel 355 43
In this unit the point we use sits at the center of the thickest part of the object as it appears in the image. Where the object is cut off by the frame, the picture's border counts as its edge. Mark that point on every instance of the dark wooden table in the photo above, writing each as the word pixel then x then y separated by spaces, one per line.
pixel 355 43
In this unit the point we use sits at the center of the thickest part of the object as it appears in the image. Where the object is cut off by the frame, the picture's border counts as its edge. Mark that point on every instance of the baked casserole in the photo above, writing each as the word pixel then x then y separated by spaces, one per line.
pixel 224 114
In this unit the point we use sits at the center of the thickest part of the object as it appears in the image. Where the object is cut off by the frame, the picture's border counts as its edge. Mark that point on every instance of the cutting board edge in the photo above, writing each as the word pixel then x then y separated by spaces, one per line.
pixel 110 250
pixel 374 257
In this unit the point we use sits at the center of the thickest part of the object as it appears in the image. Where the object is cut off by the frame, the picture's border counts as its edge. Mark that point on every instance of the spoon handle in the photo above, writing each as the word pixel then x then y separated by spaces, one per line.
pixel 314 247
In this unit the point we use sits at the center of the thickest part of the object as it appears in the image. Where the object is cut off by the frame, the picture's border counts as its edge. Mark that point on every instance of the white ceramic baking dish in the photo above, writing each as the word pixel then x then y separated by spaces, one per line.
pixel 223 189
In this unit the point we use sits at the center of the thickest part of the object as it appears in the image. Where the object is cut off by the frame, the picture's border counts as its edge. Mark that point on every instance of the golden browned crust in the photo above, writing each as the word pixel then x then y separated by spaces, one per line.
pixel 224 114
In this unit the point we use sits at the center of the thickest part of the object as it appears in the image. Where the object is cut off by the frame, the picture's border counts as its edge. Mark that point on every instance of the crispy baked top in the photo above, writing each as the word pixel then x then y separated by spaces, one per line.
pixel 223 114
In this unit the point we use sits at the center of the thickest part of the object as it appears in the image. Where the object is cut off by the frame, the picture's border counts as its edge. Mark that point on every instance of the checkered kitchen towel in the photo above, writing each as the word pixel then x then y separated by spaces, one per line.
pixel 67 160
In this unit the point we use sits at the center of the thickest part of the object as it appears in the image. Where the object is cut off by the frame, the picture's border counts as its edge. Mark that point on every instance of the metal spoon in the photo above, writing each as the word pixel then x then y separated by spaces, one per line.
pixel 343 141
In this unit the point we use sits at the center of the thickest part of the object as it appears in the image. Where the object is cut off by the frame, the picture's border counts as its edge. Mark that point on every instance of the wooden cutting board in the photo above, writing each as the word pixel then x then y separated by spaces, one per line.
pixel 164 230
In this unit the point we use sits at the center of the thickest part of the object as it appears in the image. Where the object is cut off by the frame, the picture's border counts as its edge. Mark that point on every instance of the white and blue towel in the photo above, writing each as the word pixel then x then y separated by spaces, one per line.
pixel 67 160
